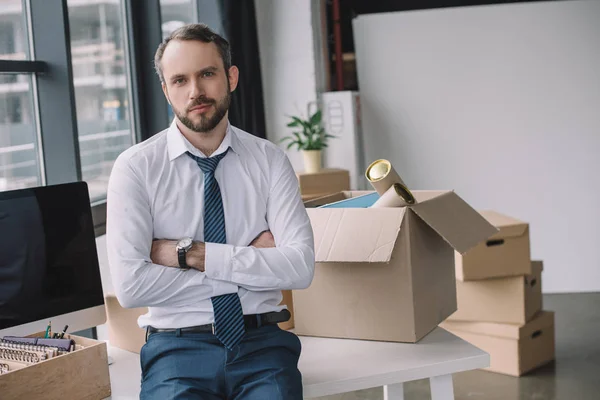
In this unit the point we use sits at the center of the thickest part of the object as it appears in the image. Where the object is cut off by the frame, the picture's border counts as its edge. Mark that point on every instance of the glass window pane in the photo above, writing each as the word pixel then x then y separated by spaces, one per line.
pixel 19 161
pixel 175 13
pixel 101 80
pixel 13 32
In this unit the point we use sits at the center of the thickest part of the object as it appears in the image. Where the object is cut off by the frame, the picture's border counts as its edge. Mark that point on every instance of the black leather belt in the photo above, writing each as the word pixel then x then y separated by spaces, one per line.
pixel 252 321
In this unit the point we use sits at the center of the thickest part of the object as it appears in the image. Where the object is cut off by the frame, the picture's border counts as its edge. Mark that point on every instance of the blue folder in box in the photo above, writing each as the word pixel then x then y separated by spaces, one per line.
pixel 364 201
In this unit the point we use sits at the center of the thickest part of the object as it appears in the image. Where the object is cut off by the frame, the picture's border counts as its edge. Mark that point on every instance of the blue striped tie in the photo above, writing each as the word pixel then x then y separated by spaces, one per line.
pixel 229 317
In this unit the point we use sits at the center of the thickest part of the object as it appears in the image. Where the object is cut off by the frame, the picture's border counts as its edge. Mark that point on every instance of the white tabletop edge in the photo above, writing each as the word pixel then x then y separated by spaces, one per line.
pixel 367 382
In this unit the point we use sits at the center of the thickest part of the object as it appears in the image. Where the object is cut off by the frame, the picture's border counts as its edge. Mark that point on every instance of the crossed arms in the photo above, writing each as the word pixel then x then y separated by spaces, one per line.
pixel 141 267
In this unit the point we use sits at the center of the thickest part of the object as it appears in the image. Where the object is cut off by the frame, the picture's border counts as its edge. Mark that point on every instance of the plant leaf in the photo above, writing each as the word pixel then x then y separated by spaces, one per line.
pixel 315 119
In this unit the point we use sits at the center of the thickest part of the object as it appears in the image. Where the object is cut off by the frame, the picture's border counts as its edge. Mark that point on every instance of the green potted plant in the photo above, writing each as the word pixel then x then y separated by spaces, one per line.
pixel 310 137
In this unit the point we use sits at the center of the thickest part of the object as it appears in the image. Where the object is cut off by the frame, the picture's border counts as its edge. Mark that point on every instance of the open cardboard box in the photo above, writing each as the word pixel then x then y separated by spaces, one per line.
pixel 507 253
pixel 386 273
pixel 513 300
pixel 514 350
pixel 80 374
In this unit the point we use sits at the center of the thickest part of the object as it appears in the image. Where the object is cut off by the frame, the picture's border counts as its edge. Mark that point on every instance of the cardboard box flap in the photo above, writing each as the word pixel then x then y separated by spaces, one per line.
pixel 355 234
pixel 508 226
pixel 454 220
pixel 543 319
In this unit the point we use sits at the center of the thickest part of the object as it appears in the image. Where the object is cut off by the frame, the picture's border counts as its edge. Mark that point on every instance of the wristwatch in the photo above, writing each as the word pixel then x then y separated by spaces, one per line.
pixel 183 246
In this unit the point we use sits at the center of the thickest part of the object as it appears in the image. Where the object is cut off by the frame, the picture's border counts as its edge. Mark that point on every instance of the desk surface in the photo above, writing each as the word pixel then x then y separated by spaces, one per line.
pixel 331 366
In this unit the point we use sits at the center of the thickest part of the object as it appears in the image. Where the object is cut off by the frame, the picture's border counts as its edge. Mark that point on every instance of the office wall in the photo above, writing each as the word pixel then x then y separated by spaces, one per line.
pixel 287 57
pixel 502 104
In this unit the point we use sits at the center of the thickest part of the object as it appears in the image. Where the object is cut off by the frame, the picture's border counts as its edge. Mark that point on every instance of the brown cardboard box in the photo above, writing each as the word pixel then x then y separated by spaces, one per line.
pixel 123 329
pixel 81 374
pixel 386 273
pixel 289 302
pixel 514 350
pixel 513 300
pixel 322 183
pixel 506 253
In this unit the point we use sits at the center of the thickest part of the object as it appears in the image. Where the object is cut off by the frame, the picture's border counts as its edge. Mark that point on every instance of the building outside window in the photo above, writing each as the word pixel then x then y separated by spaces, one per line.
pixel 100 77
pixel 19 146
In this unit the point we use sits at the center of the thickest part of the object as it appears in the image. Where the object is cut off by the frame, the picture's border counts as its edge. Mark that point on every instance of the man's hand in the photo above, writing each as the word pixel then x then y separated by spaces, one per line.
pixel 164 252
pixel 264 240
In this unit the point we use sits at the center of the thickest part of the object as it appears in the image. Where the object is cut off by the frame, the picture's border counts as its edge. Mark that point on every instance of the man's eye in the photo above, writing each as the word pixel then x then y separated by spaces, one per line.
pixel 208 74
pixel 178 81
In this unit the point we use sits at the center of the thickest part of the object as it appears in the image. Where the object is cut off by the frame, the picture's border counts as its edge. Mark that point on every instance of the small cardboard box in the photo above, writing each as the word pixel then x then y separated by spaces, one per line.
pixel 322 183
pixel 81 374
pixel 386 273
pixel 507 253
pixel 513 300
pixel 123 329
pixel 514 350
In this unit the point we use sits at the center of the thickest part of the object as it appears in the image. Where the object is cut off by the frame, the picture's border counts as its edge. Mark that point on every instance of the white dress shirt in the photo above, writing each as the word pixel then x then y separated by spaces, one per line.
pixel 156 191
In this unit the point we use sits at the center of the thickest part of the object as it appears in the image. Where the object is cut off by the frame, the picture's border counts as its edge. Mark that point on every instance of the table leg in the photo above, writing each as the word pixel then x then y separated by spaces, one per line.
pixel 393 392
pixel 441 387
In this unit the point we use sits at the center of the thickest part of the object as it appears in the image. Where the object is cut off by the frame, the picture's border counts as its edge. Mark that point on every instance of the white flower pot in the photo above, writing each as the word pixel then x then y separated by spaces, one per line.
pixel 312 161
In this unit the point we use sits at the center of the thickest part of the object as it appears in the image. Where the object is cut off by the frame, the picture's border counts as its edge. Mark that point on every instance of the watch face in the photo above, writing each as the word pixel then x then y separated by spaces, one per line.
pixel 184 243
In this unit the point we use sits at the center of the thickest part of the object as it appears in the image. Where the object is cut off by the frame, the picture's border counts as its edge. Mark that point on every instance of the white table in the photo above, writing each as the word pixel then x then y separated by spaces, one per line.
pixel 332 366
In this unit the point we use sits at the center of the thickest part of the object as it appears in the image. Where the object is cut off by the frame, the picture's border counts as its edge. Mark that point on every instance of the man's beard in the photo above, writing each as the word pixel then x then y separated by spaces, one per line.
pixel 206 124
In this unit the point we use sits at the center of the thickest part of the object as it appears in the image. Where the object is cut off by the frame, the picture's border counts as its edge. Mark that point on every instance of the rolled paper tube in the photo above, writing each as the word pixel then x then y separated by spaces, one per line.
pixel 382 176
pixel 396 196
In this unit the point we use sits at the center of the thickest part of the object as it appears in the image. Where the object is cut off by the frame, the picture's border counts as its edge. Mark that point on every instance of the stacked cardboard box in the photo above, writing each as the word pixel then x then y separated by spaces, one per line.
pixel 499 296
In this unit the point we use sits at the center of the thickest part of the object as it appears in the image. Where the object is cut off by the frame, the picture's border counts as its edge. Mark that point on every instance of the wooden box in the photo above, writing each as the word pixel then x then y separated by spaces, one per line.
pixel 81 374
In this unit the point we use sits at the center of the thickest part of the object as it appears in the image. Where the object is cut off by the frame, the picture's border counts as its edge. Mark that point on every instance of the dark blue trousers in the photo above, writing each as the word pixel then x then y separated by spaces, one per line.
pixel 264 366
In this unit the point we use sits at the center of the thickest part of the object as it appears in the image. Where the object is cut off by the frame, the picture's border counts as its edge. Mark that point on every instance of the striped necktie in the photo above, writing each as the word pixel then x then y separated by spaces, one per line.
pixel 229 317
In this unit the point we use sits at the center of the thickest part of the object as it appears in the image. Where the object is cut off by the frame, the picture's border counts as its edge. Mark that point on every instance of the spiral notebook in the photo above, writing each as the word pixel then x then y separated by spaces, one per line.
pixel 15 355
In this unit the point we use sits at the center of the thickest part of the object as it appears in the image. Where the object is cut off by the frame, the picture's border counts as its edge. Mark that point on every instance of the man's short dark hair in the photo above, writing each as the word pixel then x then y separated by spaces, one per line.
pixel 200 32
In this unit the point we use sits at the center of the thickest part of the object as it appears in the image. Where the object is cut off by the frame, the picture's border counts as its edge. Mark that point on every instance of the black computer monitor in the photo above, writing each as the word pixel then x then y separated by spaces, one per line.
pixel 49 266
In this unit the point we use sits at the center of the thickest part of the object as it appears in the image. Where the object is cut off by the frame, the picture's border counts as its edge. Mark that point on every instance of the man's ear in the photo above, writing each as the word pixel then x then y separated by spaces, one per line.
pixel 233 75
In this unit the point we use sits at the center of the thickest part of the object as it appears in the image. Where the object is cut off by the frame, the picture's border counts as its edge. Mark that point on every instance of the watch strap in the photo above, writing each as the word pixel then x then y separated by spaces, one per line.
pixel 181 258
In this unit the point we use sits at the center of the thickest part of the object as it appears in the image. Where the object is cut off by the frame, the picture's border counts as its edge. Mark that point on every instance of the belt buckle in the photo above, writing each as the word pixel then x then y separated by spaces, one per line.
pixel 213 328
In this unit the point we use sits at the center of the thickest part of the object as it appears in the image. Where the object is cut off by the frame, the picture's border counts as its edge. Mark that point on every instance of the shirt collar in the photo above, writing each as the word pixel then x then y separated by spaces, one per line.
pixel 177 144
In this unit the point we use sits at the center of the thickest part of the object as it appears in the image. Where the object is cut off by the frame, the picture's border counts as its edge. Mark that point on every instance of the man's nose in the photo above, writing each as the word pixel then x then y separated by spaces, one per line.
pixel 197 89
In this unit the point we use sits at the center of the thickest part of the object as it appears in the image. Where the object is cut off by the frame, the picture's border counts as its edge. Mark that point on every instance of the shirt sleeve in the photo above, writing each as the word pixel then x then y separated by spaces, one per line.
pixel 129 234
pixel 289 265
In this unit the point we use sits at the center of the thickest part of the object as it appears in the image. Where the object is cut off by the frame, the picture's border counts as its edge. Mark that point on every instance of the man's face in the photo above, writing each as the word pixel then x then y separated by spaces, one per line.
pixel 196 83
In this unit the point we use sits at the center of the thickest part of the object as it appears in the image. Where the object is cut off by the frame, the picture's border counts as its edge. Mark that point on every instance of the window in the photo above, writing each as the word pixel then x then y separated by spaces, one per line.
pixel 20 164
pixel 174 14
pixel 100 77
pixel 13 31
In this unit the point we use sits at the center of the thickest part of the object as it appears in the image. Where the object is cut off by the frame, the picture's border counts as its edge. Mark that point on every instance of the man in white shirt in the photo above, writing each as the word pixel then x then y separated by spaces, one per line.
pixel 205 227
